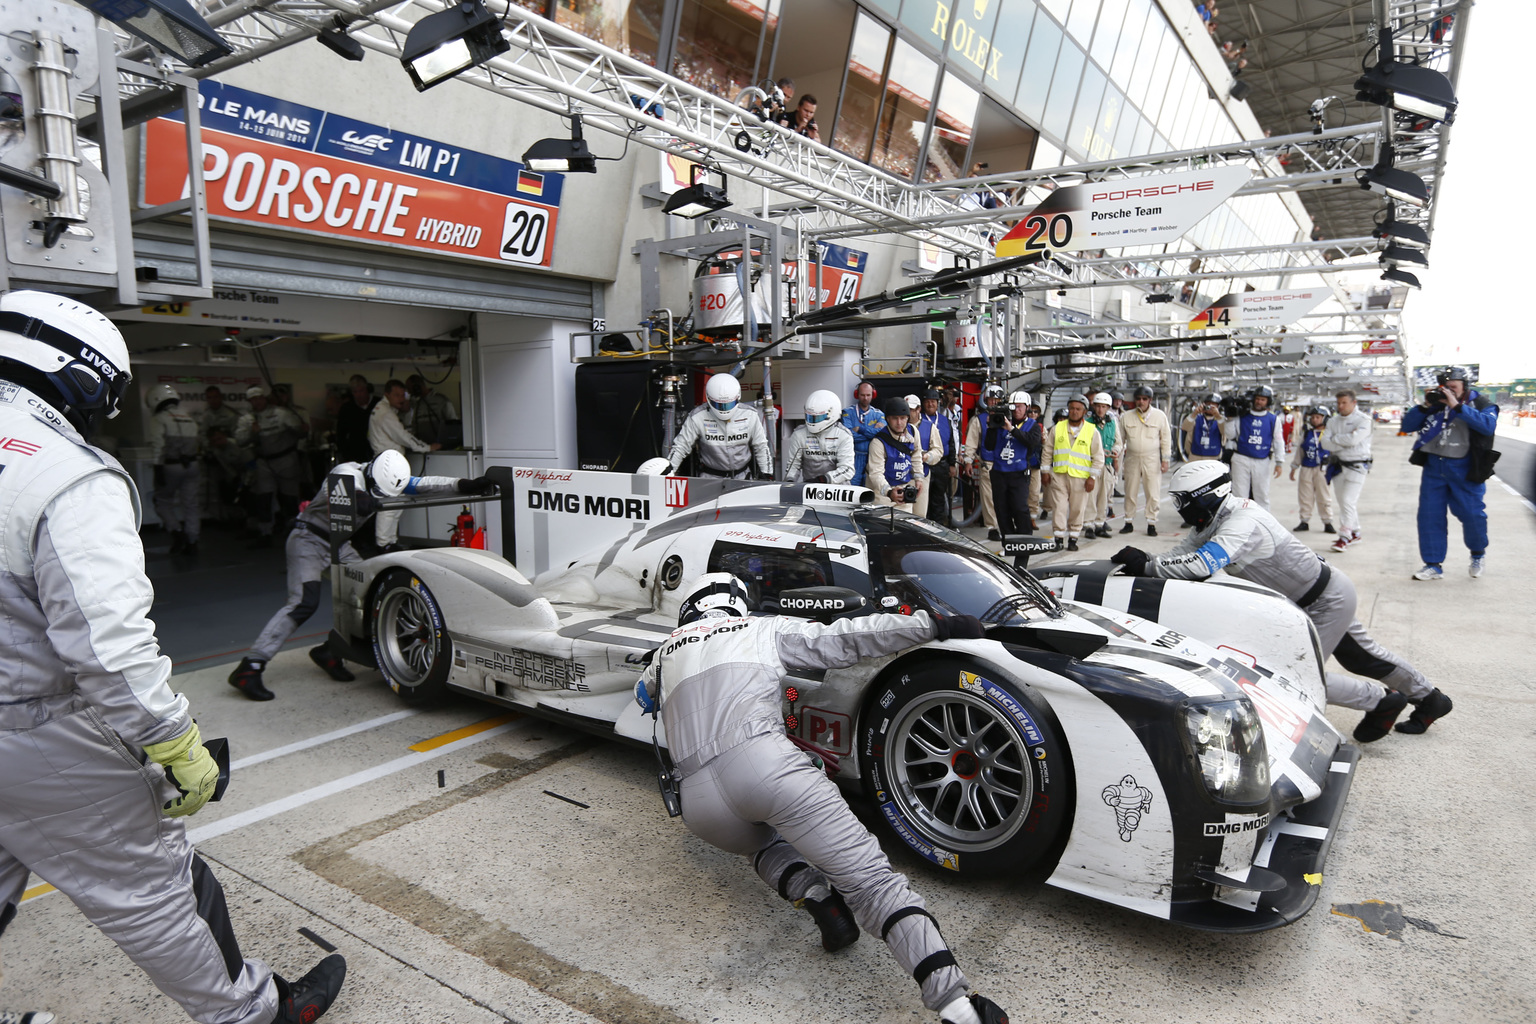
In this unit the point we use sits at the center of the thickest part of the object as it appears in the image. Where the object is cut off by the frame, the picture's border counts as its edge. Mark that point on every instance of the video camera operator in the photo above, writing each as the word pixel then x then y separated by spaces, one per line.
pixel 1259 441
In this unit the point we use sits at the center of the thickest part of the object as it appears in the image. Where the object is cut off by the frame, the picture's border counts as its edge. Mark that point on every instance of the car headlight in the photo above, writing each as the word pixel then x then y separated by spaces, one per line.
pixel 1227 741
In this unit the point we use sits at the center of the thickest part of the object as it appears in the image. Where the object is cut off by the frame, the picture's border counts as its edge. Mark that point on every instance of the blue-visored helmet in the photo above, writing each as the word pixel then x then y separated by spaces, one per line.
pixel 715 593
pixel 722 393
pixel 76 351
pixel 1198 489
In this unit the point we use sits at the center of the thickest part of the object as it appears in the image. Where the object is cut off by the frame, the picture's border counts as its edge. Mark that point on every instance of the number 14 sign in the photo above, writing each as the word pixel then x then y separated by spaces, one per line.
pixel 1144 210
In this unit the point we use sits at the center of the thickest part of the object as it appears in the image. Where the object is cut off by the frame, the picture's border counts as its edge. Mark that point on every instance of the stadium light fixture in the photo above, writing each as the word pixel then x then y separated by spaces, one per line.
pixel 568 156
pixel 170 25
pixel 1410 88
pixel 1402 233
pixel 1400 277
pixel 450 42
pixel 338 42
pixel 698 199
pixel 1404 254
pixel 1394 183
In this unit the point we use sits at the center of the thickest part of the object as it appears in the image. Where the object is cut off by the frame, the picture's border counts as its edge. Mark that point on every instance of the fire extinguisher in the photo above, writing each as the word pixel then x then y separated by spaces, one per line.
pixel 463 533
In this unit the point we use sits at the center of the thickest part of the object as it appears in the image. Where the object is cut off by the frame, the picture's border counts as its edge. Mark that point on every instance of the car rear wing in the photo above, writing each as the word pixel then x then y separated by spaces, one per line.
pixel 341 490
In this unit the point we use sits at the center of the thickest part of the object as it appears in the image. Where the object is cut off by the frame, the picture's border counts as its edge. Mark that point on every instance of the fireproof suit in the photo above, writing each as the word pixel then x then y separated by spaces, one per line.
pixel 83 687
pixel 746 789
pixel 1249 543
pixel 309 552
pixel 173 444
pixel 726 447
pixel 824 458
pixel 275 434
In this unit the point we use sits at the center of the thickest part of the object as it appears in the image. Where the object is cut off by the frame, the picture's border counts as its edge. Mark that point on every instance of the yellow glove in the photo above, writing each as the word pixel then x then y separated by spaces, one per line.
pixel 190 768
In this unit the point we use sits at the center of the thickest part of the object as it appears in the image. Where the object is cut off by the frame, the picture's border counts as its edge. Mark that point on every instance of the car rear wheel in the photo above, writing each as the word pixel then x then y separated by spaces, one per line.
pixel 410 638
pixel 966 766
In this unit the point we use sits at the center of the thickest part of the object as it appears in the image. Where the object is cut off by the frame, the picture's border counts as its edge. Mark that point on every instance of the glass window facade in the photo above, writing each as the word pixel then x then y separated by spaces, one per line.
pixel 722 44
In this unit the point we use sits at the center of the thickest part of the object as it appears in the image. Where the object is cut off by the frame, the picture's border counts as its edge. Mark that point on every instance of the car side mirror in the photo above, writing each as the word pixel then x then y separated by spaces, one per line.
pixel 821 603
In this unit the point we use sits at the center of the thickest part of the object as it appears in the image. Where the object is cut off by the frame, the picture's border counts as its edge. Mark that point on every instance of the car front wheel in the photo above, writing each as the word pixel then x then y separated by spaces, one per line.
pixel 410 638
pixel 967 767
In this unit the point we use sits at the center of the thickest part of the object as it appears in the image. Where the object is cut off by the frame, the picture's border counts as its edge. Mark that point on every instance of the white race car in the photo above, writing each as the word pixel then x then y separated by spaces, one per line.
pixel 1159 745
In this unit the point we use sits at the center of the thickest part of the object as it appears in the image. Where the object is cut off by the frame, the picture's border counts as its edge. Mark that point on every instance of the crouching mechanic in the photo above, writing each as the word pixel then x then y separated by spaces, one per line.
pixel 100 758
pixel 747 789
pixel 821 450
pixel 729 435
pixel 309 558
pixel 1238 535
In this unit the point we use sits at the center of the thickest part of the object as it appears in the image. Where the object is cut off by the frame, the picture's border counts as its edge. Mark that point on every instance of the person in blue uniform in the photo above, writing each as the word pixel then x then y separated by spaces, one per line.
pixel 1455 425
pixel 1008 442
pixel 1310 459
pixel 1260 448
pixel 864 422
pixel 1202 430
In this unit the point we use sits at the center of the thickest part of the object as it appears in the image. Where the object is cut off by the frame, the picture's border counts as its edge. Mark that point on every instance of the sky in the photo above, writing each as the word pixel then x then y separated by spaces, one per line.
pixel 1473 270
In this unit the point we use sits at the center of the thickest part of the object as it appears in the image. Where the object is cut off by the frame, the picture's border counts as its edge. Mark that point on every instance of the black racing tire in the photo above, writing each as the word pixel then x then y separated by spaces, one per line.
pixel 966 766
pixel 410 638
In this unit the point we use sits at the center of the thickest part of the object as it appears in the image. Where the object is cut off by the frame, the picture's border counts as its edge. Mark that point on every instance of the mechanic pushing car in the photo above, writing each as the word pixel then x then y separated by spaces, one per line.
pixel 729 435
pixel 1238 535
pixel 820 451
pixel 95 748
pixel 309 558
pixel 747 789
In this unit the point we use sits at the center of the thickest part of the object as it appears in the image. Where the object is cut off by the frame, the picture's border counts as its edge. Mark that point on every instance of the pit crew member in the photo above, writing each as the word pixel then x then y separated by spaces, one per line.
pixel 1348 440
pixel 747 789
pixel 96 750
pixel 1241 537
pixel 821 450
pixel 274 433
pixel 728 434
pixel 173 443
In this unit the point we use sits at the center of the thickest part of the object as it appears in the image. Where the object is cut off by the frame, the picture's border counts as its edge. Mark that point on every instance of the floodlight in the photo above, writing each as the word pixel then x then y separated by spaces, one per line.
pixel 698 199
pixel 1401 277
pixel 170 25
pixel 1405 254
pixel 1394 183
pixel 569 156
pixel 450 42
pixel 1403 233
pixel 1409 88
pixel 338 42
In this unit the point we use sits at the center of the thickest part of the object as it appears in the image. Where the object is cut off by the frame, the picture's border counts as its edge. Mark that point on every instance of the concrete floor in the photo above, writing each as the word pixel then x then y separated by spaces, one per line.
pixel 496 898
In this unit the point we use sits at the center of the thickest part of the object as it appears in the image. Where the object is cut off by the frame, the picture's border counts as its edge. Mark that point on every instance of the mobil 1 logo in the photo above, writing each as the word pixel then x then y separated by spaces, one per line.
pixel 525 233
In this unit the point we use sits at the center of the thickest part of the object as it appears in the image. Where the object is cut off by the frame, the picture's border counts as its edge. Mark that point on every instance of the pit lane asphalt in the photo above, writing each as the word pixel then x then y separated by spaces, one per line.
pixel 494 898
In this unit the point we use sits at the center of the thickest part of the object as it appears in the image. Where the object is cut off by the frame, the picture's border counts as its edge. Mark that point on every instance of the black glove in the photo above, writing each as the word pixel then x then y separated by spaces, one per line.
pixel 159 476
pixel 1133 559
pixel 476 485
pixel 958 627
pixel 1226 456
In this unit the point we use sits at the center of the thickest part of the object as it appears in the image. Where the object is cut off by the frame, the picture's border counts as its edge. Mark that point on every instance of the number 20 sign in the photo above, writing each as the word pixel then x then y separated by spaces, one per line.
pixel 525 234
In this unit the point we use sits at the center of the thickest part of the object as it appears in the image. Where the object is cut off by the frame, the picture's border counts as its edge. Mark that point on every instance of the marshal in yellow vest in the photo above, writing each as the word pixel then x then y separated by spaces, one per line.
pixel 1074 458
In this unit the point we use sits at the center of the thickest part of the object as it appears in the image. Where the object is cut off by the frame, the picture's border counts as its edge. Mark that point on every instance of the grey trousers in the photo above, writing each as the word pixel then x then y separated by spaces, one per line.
pixel 80 810
pixel 765 798
pixel 1342 635
pixel 1251 477
pixel 309 560
pixel 176 503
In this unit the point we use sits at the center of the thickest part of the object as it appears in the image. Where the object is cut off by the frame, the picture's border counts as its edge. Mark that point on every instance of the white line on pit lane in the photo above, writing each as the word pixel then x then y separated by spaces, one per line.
pixel 315 741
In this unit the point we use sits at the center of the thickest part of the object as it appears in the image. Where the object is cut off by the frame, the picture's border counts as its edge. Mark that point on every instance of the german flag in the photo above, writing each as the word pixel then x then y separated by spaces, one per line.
pixel 531 182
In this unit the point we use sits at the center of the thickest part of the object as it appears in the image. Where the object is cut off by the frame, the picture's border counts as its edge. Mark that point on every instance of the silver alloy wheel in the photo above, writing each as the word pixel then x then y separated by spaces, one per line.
pixel 960 768
pixel 407 635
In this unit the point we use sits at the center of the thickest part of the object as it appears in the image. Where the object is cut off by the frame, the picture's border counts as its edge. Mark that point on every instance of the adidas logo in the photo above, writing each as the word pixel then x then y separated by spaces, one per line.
pixel 339 495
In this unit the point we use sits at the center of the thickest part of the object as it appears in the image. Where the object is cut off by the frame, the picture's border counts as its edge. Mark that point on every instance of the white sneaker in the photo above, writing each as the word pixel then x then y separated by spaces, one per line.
pixel 1429 572
pixel 1476 568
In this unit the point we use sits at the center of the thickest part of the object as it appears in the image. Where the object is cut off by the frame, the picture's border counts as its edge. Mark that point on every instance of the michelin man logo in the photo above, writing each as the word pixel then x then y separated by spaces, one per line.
pixel 1130 802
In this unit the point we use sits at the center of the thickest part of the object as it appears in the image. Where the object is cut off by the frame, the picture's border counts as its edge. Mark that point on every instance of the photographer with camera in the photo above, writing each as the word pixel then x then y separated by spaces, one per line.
pixel 892 471
pixel 1075 454
pixel 1455 447
pixel 1348 441
pixel 1259 444
pixel 1202 430
pixel 1008 442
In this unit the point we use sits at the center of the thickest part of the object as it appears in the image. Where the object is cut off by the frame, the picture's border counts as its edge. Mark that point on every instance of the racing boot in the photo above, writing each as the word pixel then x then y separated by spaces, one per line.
pixel 1426 712
pixel 334 667
pixel 972 1009
pixel 832 916
pixel 247 679
pixel 1378 721
pixel 306 1000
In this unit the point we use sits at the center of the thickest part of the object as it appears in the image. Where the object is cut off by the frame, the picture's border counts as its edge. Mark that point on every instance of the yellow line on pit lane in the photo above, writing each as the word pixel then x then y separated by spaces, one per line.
pixel 459 734
pixel 37 890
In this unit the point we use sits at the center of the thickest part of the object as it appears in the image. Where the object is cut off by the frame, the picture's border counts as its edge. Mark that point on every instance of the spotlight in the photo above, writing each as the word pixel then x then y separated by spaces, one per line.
pixel 1403 233
pixel 569 156
pixel 450 42
pixel 698 198
pixel 338 42
pixel 1394 183
pixel 1404 254
pixel 169 25
pixel 1409 88
pixel 1401 277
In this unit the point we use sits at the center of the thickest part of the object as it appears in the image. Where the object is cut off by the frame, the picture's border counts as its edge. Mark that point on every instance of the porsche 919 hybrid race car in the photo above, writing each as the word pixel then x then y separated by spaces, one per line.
pixel 1156 744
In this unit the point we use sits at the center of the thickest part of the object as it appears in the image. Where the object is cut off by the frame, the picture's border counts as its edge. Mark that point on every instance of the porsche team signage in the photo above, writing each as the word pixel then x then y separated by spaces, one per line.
pixel 1259 309
pixel 1144 210
pixel 297 168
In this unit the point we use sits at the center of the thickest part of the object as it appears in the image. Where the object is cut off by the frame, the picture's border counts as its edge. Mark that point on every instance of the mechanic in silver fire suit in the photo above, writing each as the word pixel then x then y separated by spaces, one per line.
pixel 99 757
pixel 821 450
pixel 1237 535
pixel 747 789
pixel 274 433
pixel 173 447
pixel 730 437
pixel 309 557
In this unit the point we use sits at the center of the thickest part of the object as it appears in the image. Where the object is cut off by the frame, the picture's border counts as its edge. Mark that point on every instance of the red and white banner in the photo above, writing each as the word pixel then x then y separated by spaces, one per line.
pixel 1259 309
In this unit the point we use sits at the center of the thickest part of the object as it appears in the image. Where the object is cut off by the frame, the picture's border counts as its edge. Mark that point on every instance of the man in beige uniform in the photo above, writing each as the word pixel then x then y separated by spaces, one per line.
pixel 931 451
pixel 991 398
pixel 1148 441
pixel 1076 456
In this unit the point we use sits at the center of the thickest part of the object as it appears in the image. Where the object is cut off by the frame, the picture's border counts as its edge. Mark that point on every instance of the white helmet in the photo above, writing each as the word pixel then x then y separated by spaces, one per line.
pixel 1198 489
pixel 821 411
pixel 388 474
pixel 80 353
pixel 990 392
pixel 255 391
pixel 715 593
pixel 1019 398
pixel 1102 398
pixel 158 395
pixel 654 467
pixel 722 393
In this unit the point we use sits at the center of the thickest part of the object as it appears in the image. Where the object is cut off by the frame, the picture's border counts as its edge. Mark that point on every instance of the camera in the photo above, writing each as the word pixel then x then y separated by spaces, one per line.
pixel 1236 405
pixel 1435 396
pixel 909 494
